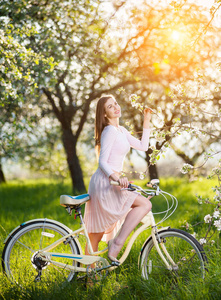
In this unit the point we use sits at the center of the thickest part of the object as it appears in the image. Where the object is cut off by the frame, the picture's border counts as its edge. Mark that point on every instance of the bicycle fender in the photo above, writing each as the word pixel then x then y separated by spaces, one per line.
pixel 147 240
pixel 42 220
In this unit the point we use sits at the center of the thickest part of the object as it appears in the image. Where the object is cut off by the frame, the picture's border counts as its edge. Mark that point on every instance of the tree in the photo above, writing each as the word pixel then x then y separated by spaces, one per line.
pixel 166 49
pixel 95 56
pixel 88 63
pixel 16 83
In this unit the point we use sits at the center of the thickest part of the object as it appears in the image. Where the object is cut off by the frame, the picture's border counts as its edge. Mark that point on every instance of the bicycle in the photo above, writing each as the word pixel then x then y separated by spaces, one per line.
pixel 27 255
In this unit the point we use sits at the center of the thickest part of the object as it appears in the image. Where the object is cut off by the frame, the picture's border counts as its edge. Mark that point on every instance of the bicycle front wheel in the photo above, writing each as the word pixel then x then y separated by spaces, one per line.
pixel 19 255
pixel 184 250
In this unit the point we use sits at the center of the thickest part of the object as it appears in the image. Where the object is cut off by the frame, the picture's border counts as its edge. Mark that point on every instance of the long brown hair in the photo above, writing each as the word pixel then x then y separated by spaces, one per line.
pixel 100 121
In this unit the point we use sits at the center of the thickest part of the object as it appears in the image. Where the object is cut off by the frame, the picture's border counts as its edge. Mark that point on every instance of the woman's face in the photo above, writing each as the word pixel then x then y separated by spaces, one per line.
pixel 112 109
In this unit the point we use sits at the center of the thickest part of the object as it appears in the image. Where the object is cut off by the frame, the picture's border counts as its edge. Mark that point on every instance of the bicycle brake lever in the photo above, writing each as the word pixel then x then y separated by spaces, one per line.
pixel 157 191
pixel 128 189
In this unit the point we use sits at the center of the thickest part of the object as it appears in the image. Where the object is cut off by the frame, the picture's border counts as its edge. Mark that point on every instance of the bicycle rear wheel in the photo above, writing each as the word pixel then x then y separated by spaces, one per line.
pixel 185 250
pixel 19 254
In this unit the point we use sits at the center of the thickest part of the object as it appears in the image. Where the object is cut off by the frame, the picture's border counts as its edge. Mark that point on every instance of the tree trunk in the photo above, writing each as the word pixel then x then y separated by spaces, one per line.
pixel 153 173
pixel 2 176
pixel 70 143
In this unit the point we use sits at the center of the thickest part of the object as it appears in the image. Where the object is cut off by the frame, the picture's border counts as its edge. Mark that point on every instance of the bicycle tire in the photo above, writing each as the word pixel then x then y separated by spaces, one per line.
pixel 185 251
pixel 24 243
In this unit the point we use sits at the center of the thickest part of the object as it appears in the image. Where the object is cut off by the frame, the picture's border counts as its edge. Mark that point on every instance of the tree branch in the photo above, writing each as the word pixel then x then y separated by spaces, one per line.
pixel 51 100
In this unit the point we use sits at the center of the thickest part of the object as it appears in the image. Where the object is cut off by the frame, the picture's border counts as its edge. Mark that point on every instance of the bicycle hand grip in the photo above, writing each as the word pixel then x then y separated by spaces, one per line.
pixel 112 182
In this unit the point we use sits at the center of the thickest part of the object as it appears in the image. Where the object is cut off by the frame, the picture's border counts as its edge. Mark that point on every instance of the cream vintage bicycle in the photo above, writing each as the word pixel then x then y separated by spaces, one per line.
pixel 44 249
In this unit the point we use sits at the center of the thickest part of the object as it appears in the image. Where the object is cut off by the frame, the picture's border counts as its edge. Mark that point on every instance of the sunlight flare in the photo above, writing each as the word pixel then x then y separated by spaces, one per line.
pixel 176 35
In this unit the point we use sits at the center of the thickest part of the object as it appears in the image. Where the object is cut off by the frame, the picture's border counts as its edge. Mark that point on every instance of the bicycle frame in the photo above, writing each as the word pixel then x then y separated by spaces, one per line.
pixel 147 221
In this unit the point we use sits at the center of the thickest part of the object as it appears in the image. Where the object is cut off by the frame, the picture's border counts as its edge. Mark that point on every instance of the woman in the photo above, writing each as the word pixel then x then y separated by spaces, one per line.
pixel 109 205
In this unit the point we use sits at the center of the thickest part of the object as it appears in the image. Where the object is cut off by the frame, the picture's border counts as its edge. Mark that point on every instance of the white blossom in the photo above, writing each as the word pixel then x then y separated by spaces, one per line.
pixel 202 241
pixel 218 193
pixel 134 104
pixel 217 197
pixel 187 226
pixel 207 218
pixel 217 224
pixel 141 176
pixel 133 97
pixel 186 168
pixel 216 214
pixel 160 138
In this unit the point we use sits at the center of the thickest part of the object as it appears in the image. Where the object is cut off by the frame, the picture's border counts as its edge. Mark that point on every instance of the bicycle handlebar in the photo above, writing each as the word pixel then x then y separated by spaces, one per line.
pixel 132 187
pixel 112 182
pixel 154 184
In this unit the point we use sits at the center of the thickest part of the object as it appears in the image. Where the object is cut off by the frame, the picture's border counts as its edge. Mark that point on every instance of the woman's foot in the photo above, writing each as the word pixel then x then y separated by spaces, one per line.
pixel 113 250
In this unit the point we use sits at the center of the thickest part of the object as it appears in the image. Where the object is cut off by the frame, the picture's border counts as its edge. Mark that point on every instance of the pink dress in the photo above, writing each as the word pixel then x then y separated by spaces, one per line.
pixel 109 205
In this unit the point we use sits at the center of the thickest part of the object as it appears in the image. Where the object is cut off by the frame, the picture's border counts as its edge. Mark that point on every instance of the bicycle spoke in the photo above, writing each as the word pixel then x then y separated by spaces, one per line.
pixel 183 250
pixel 22 264
pixel 25 246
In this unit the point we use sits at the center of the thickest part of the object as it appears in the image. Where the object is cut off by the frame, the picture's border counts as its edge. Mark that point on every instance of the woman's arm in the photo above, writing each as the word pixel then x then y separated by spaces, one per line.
pixel 137 144
pixel 147 118
pixel 108 138
pixel 142 144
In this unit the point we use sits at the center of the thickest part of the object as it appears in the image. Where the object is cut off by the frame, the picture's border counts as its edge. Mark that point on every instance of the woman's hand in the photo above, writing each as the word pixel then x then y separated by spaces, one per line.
pixel 147 114
pixel 147 117
pixel 123 181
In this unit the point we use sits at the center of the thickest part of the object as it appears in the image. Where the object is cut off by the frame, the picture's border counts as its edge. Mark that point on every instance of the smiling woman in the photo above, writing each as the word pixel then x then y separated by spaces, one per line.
pixel 109 205
pixel 113 110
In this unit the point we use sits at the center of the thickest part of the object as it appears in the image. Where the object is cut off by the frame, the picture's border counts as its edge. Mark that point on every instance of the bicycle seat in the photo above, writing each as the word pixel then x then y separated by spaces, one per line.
pixel 72 201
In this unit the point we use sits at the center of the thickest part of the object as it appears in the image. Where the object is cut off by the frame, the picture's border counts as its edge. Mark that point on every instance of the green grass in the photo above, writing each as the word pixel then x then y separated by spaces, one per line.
pixel 22 201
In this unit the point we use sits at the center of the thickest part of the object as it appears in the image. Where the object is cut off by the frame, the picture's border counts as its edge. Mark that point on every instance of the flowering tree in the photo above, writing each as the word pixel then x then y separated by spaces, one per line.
pixel 73 33
pixel 17 65
pixel 180 86
pixel 148 49
pixel 184 83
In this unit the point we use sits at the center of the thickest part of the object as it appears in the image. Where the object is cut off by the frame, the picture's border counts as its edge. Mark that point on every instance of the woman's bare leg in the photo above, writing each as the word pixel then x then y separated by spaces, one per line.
pixel 140 208
pixel 95 238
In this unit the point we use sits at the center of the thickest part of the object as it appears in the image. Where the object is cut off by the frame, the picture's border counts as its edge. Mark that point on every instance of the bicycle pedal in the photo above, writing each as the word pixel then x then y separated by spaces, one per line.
pixel 115 264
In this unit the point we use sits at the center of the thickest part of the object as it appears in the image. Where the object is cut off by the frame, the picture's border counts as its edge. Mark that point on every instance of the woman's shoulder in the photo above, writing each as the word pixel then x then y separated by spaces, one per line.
pixel 123 129
pixel 109 129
